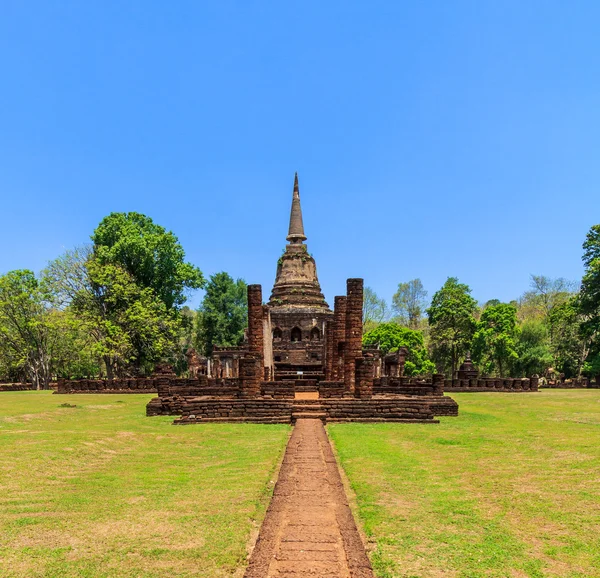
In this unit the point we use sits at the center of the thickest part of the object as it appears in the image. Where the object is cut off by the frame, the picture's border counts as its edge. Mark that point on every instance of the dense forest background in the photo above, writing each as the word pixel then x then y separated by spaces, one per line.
pixel 116 307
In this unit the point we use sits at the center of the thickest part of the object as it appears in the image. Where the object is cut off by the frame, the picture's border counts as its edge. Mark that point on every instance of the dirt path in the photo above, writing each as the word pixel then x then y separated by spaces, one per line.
pixel 309 529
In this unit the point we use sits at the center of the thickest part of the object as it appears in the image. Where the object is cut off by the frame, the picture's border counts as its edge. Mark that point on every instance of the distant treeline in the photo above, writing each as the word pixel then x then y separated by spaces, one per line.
pixel 115 307
pixel 552 329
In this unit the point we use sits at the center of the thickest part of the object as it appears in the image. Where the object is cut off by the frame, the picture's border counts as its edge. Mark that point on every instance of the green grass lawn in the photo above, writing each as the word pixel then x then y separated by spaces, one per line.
pixel 510 488
pixel 101 490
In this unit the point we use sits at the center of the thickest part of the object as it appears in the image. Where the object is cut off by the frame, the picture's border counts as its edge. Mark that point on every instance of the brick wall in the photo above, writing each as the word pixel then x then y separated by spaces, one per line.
pixel 17 387
pixel 426 386
pixel 492 384
pixel 133 385
pixel 334 410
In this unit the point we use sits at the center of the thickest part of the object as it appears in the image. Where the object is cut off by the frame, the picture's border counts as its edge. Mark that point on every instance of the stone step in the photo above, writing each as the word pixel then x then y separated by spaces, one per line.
pixel 309 415
pixel 307 408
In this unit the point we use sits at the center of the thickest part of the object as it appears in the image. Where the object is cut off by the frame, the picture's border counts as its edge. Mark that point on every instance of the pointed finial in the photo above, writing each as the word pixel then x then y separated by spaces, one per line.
pixel 296 230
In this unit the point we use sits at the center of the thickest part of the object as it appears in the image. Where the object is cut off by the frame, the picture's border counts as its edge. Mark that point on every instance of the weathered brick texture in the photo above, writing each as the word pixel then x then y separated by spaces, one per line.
pixel 339 337
pixel 353 341
pixel 364 372
pixel 501 384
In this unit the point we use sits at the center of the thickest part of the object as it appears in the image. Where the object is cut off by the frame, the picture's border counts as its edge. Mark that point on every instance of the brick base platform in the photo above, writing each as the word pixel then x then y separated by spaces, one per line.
pixel 265 410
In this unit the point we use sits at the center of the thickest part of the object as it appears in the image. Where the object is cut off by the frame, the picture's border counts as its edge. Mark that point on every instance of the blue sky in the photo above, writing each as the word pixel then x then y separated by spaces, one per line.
pixel 431 138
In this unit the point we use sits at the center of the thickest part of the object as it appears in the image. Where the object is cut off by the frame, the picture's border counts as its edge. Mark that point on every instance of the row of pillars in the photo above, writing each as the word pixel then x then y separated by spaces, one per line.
pixel 343 342
pixel 344 338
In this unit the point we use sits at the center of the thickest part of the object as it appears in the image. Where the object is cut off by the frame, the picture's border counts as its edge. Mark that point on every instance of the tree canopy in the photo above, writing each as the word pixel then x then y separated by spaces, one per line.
pixel 375 309
pixel 589 299
pixel 409 302
pixel 495 339
pixel 452 320
pixel 26 329
pixel 152 256
pixel 126 291
pixel 223 314
pixel 533 351
pixel 391 336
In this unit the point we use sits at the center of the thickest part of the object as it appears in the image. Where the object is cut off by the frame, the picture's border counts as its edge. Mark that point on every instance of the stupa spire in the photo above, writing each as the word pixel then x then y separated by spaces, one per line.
pixel 296 231
pixel 296 283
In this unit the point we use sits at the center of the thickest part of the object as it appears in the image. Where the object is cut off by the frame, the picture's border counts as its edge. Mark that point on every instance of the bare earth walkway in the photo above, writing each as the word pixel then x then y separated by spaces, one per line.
pixel 309 529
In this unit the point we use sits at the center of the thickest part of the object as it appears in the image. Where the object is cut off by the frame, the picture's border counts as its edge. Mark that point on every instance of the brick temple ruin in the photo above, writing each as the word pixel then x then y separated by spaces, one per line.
pixel 301 359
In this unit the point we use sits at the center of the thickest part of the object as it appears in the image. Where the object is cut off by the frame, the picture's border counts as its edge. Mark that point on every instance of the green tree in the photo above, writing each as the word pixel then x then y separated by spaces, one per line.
pixel 589 300
pixel 550 292
pixel 552 302
pixel 132 327
pixel 127 288
pixel 569 346
pixel 72 354
pixel 27 334
pixel 495 339
pixel 409 302
pixel 544 294
pixel 591 366
pixel 375 310
pixel 452 323
pixel 67 276
pixel 391 336
pixel 152 256
pixel 223 314
pixel 491 303
pixel 533 350
pixel 186 334
pixel 129 326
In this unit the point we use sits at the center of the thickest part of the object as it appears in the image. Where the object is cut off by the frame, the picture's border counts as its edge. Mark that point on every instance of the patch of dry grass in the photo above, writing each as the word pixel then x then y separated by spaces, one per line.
pixel 101 490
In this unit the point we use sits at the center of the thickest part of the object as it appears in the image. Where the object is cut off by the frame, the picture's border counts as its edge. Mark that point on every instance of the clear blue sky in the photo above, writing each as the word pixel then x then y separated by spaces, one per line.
pixel 431 138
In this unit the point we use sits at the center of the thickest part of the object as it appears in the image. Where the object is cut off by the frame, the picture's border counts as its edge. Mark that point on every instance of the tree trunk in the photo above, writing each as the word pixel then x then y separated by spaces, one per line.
pixel 584 353
pixel 453 362
pixel 45 374
pixel 34 376
pixel 109 367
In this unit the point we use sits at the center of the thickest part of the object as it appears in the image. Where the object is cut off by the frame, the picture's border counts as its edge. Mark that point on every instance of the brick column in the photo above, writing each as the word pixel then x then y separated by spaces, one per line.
pixel 251 374
pixel 339 336
pixel 162 386
pixel 329 348
pixel 534 383
pixel 364 377
pixel 438 384
pixel 255 320
pixel 251 366
pixel 354 326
